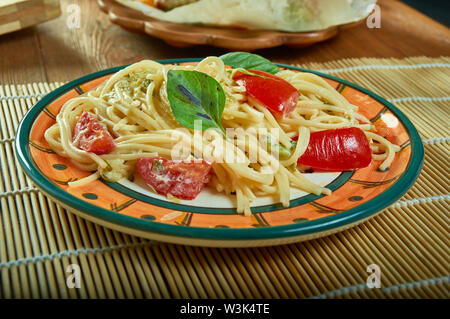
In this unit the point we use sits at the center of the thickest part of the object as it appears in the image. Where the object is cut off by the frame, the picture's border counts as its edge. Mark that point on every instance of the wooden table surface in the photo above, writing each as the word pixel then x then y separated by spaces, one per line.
pixel 53 52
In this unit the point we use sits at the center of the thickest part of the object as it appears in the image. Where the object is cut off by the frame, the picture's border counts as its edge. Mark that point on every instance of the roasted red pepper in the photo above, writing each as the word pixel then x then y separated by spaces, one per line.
pixel 337 150
pixel 276 94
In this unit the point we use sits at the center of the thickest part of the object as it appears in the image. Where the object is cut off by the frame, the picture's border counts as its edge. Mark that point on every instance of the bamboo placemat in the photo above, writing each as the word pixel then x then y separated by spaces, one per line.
pixel 409 240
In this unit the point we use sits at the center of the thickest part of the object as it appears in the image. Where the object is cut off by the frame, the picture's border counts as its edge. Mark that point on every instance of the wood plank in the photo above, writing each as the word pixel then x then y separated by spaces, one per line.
pixel 20 52
pixel 21 14
pixel 20 58
pixel 63 54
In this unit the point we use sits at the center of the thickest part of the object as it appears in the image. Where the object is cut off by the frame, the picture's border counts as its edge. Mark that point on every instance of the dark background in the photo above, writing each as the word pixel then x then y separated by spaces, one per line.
pixel 436 9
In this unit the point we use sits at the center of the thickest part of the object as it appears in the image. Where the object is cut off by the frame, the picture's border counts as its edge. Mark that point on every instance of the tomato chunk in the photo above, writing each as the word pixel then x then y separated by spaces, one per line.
pixel 184 180
pixel 276 94
pixel 91 136
pixel 337 150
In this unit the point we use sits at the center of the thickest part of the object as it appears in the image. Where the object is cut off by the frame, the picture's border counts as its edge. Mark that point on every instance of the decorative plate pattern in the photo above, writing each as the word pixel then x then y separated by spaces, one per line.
pixel 124 206
pixel 186 35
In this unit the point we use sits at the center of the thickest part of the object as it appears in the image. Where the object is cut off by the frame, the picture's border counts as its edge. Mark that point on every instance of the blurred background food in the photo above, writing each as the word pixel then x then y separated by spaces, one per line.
pixel 281 15
pixel 166 4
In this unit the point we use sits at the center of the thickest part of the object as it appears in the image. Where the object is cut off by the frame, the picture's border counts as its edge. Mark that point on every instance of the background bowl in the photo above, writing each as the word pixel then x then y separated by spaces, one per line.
pixel 186 35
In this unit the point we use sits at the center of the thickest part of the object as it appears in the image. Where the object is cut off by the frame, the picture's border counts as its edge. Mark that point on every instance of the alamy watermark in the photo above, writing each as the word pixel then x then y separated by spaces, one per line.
pixel 74 278
pixel 73 20
pixel 373 21
pixel 374 279
pixel 250 146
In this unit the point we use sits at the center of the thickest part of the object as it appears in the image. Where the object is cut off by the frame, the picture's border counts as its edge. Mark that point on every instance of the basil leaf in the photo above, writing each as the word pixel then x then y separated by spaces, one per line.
pixel 194 96
pixel 248 61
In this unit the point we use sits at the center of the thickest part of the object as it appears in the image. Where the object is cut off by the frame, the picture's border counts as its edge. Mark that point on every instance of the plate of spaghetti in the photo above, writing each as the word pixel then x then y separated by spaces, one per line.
pixel 230 151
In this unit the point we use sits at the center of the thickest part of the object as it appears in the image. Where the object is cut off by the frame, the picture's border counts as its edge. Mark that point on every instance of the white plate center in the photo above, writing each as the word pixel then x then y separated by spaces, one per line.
pixel 210 198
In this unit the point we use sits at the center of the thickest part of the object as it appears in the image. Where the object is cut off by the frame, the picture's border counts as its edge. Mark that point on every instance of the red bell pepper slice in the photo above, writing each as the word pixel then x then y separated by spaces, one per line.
pixel 276 94
pixel 337 150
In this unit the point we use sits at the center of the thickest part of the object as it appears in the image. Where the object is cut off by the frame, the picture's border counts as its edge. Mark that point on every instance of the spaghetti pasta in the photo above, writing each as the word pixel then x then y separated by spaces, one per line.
pixel 133 105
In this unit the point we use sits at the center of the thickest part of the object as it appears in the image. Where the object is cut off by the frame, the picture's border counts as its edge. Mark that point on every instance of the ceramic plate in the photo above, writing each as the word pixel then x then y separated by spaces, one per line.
pixel 187 35
pixel 211 219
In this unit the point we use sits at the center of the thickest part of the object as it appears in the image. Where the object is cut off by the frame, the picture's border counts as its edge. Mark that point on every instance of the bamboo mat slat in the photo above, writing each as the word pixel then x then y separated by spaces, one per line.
pixel 409 240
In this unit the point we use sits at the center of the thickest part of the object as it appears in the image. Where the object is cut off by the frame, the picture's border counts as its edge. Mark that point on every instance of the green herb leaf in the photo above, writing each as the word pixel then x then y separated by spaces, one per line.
pixel 195 96
pixel 253 74
pixel 249 61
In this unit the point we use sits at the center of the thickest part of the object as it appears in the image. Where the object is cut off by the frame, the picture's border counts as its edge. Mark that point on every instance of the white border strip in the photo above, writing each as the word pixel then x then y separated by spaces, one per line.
pixel 420 200
pixel 420 98
pixel 19 191
pixel 386 290
pixel 436 140
pixel 7 140
pixel 69 253
pixel 23 96
pixel 386 67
